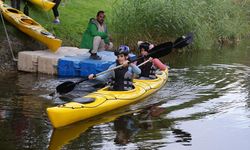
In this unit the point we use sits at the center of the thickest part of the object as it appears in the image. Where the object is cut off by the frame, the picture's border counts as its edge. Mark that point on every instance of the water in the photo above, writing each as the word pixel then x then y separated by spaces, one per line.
pixel 205 105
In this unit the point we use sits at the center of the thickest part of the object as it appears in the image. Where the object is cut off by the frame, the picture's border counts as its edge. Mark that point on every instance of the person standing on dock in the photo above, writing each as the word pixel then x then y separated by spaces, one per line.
pixel 96 36
pixel 55 11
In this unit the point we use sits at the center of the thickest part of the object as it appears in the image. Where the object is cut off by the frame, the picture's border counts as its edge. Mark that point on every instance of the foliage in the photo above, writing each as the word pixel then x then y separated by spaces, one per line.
pixel 151 20
pixel 163 20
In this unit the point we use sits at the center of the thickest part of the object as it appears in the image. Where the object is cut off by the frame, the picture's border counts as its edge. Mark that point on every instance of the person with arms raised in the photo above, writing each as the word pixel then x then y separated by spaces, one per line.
pixel 149 69
pixel 121 78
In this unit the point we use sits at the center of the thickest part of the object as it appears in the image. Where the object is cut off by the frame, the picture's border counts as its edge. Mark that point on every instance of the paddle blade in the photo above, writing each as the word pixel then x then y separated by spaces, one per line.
pixel 65 87
pixel 183 41
pixel 161 50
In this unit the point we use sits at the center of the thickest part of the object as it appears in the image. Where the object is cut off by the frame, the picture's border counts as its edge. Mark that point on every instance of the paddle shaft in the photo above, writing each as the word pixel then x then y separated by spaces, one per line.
pixel 98 74
pixel 144 63
pixel 111 69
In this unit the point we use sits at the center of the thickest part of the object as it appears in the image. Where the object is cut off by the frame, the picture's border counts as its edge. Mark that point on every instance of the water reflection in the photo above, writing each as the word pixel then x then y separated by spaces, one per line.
pixel 22 121
pixel 205 104
pixel 128 130
pixel 125 128
pixel 128 126
pixel 62 136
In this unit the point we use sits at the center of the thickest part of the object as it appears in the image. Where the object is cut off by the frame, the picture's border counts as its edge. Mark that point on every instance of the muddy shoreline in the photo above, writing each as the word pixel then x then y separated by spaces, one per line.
pixel 19 42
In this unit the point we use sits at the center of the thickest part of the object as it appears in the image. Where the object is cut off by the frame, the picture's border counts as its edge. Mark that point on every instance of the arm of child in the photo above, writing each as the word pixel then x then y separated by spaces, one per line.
pixel 105 77
pixel 135 69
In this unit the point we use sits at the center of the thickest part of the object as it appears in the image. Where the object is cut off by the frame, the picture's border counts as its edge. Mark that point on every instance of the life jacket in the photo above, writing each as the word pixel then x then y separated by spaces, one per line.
pixel 147 70
pixel 122 80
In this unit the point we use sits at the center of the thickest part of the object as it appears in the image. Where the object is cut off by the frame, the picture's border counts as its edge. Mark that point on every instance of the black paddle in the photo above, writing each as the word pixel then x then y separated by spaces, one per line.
pixel 156 52
pixel 183 41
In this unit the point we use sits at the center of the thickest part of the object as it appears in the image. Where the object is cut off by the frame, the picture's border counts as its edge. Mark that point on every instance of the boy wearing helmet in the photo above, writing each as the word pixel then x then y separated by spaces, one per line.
pixel 149 69
pixel 121 78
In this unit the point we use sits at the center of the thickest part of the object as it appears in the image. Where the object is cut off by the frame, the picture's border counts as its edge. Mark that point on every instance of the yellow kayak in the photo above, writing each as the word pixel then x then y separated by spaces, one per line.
pixel 44 4
pixel 30 27
pixel 104 101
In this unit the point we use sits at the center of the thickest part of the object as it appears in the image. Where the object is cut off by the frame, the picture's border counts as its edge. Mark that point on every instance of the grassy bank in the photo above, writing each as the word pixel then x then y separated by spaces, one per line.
pixel 74 16
pixel 152 20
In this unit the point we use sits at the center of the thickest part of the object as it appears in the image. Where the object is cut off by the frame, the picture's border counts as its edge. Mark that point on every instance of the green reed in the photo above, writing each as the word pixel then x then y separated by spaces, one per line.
pixel 162 20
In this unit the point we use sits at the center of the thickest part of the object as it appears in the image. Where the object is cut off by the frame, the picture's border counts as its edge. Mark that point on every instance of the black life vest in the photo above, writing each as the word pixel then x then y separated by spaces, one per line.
pixel 147 70
pixel 122 80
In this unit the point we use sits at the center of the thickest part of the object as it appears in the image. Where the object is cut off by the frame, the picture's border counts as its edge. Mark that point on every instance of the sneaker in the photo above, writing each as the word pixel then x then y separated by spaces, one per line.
pixel 56 21
pixel 95 57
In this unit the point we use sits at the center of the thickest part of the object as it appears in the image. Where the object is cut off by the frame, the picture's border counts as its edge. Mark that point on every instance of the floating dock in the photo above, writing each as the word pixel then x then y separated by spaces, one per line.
pixel 66 62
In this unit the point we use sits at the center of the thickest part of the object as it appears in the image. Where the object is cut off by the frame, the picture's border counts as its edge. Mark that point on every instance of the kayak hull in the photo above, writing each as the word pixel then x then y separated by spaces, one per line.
pixel 44 4
pixel 105 101
pixel 30 27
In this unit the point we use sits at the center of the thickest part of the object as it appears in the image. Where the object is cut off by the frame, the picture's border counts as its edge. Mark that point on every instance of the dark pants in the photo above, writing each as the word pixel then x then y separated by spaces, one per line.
pixel 55 11
pixel 15 4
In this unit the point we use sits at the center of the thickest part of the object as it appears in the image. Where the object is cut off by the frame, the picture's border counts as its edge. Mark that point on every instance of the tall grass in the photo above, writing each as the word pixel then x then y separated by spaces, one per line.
pixel 162 20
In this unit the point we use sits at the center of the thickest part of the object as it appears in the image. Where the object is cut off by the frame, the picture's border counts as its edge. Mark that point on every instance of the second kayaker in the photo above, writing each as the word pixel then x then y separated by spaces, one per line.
pixel 149 69
pixel 121 79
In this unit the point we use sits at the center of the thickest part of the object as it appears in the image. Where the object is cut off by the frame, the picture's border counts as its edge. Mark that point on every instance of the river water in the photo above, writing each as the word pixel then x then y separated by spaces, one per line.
pixel 205 105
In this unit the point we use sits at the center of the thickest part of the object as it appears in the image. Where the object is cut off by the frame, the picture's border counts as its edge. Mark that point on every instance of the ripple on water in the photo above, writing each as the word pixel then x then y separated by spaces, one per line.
pixel 201 107
pixel 217 100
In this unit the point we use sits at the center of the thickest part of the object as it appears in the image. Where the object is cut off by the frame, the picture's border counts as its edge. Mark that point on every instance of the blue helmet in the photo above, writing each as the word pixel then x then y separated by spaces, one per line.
pixel 123 49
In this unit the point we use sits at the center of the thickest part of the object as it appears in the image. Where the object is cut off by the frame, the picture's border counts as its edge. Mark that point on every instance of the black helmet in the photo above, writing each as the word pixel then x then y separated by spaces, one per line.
pixel 145 46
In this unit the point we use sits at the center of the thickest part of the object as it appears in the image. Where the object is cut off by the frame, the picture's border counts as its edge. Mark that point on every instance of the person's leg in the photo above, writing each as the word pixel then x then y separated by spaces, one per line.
pixel 26 8
pixel 96 44
pixel 102 46
pixel 110 45
pixel 18 4
pixel 55 11
pixel 13 3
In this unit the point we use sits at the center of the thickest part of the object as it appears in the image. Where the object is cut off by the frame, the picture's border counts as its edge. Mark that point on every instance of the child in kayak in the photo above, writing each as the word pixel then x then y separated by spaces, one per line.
pixel 149 69
pixel 121 78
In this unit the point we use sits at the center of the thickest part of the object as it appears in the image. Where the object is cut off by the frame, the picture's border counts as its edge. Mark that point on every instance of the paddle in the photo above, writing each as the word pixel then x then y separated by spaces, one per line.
pixel 156 52
pixel 183 41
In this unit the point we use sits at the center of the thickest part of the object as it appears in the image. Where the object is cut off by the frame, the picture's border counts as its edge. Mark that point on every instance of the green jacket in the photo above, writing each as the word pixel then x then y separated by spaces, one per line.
pixel 91 32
